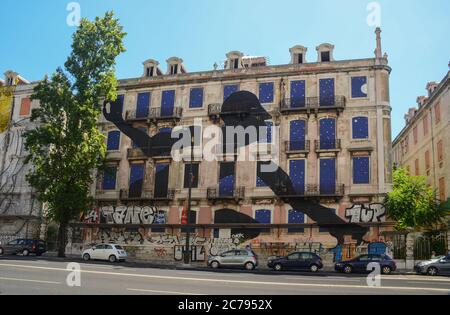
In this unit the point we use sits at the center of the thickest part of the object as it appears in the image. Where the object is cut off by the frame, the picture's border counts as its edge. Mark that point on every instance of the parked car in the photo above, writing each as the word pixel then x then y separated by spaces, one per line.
pixel 109 252
pixel 434 267
pixel 234 258
pixel 297 261
pixel 360 263
pixel 24 247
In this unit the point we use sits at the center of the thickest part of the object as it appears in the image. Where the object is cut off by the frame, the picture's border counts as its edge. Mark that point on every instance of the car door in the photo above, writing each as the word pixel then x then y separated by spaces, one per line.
pixel 10 247
pixel 292 261
pixel 444 265
pixel 241 257
pixel 97 251
pixel 108 251
pixel 361 263
pixel 305 260
pixel 227 258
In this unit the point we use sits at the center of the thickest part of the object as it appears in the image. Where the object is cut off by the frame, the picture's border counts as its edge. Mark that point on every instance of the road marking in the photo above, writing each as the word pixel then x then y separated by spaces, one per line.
pixel 29 280
pixel 163 292
pixel 320 279
pixel 229 281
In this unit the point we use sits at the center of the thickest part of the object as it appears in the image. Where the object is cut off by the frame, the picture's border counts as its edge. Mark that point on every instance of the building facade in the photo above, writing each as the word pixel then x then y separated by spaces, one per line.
pixel 423 146
pixel 329 127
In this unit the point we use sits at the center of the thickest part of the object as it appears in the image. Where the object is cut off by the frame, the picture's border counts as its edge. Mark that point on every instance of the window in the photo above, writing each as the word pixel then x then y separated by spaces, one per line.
pixel 174 69
pixel 359 87
pixel 150 71
pixel 167 103
pixel 113 140
pixel 327 134
pixel 235 63
pixel 195 171
pixel 360 128
pixel 136 180
pixel 437 113
pixel 294 256
pixel 266 95
pixel 296 217
pixel 263 217
pixel 361 170
pixel 266 136
pixel 298 94
pixel 325 56
pixel 297 135
pixel 425 125
pixel 259 181
pixel 144 130
pixel 143 105
pixel 196 98
pixel 327 176
pixel 299 58
pixel 415 135
pixel 427 160
pixel 25 107
pixel 326 89
pixel 227 174
pixel 228 90
pixel 440 150
pixel 442 193
pixel 109 178
pixel 297 169
pixel 118 103
pixel 416 167
pixel 161 186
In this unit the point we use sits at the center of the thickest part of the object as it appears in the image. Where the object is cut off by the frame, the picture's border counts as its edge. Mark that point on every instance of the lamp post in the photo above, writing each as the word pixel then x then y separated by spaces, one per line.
pixel 187 253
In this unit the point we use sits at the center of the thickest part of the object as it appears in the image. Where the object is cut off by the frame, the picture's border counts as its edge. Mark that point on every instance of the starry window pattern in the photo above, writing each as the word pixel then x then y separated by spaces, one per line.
pixel 143 105
pixel 326 91
pixel 228 90
pixel 266 93
pixel 298 94
pixel 361 170
pixel 360 127
pixel 296 217
pixel 359 87
pixel 196 98
pixel 113 143
pixel 109 178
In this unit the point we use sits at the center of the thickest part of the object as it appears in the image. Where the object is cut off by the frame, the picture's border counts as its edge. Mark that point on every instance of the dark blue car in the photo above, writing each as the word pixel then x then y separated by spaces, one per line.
pixel 297 261
pixel 360 263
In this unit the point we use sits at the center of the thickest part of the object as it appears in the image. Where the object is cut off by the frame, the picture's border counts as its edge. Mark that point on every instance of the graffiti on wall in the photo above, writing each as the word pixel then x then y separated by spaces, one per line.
pixel 126 215
pixel 359 213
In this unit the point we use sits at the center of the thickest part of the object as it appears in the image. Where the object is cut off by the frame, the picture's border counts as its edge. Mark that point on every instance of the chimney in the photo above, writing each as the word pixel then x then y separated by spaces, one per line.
pixel 421 100
pixel 410 114
pixel 431 86
pixel 378 50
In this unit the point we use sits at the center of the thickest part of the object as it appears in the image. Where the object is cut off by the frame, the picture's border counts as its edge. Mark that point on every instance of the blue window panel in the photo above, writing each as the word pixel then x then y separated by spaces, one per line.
pixel 298 94
pixel 134 145
pixel 118 103
pixel 260 182
pixel 227 179
pixel 136 180
pixel 296 217
pixel 361 170
pixel 196 98
pixel 377 249
pixel 327 176
pixel 326 87
pixel 263 217
pixel 113 140
pixel 143 105
pixel 297 135
pixel 325 230
pixel 297 175
pixel 359 87
pixel 167 103
pixel 109 178
pixel 165 130
pixel 228 90
pixel 266 93
pixel 360 126
pixel 327 134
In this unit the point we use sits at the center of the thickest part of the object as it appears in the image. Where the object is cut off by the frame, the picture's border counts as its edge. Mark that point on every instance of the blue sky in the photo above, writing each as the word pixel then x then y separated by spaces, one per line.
pixel 35 38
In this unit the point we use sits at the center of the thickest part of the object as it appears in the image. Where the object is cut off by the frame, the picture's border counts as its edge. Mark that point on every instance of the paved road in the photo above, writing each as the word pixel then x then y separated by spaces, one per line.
pixel 43 276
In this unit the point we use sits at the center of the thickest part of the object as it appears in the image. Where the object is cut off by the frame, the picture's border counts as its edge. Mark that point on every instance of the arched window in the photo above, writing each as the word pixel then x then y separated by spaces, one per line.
pixel 113 140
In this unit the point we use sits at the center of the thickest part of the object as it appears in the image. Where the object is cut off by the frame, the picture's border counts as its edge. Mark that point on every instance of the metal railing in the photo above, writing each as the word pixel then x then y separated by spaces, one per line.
pixel 327 145
pixel 214 193
pixel 312 103
pixel 154 113
pixel 297 146
pixel 155 151
pixel 311 190
pixel 146 194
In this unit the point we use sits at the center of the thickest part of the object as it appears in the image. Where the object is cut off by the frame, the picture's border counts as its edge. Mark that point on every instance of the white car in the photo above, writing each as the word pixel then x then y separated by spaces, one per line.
pixel 109 252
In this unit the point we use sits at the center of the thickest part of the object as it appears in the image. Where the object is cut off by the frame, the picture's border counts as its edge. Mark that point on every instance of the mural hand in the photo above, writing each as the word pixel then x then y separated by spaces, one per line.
pixel 115 112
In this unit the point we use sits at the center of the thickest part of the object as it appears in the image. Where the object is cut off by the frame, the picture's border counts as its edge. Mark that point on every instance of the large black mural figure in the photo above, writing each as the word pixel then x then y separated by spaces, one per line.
pixel 244 109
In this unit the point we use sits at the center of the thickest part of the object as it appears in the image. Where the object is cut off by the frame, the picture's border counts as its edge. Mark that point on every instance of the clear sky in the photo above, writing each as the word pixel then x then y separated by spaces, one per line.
pixel 35 37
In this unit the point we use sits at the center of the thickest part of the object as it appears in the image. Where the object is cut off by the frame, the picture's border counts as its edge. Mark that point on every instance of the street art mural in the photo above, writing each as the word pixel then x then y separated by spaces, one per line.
pixel 360 213
pixel 126 215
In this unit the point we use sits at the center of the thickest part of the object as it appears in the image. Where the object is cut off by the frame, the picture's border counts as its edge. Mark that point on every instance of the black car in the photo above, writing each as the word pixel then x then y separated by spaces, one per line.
pixel 297 261
pixel 360 264
pixel 24 247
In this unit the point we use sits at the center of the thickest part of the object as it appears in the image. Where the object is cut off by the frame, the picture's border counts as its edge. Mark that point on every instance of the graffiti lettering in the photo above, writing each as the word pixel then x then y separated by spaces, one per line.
pixel 362 214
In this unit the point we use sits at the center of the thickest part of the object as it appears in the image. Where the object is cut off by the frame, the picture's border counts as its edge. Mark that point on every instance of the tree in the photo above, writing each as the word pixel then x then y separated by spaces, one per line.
pixel 67 145
pixel 413 204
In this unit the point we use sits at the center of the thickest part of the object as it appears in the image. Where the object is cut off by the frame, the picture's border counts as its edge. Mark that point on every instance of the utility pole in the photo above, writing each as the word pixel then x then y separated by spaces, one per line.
pixel 187 254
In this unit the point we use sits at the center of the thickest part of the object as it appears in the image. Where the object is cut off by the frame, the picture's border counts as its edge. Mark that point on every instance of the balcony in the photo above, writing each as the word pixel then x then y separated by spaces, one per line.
pixel 154 114
pixel 293 105
pixel 215 111
pixel 293 147
pixel 323 146
pixel 313 190
pixel 214 194
pixel 146 195
pixel 313 104
pixel 133 115
pixel 153 152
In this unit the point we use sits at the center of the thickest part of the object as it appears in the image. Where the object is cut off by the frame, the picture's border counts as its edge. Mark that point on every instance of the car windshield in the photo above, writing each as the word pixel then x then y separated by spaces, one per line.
pixel 119 247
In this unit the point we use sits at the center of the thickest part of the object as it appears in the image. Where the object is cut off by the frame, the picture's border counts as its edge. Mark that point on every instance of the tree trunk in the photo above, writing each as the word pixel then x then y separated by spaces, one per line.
pixel 62 239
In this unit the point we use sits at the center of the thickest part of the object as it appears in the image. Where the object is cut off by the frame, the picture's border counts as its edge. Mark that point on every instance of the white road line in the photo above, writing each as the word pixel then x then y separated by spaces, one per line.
pixel 29 280
pixel 163 292
pixel 229 281
pixel 321 279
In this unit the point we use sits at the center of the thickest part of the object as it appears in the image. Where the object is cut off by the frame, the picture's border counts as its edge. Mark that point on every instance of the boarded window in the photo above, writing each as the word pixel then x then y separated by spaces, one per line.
pixel 327 134
pixel 360 127
pixel 296 217
pixel 136 180
pixel 143 105
pixel 328 176
pixel 187 172
pixel 263 217
pixel 227 179
pixel 266 93
pixel 326 87
pixel 359 87
pixel 196 98
pixel 297 175
pixel 113 140
pixel 167 103
pixel 109 178
pixel 162 180
pixel 228 90
pixel 442 192
pixel 144 130
pixel 297 136
pixel 25 107
pixel 266 135
pixel 298 94
pixel 440 150
pixel 361 170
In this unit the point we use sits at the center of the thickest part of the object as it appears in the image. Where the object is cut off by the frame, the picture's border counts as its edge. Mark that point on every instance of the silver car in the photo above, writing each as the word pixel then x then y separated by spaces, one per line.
pixel 234 258
pixel 433 267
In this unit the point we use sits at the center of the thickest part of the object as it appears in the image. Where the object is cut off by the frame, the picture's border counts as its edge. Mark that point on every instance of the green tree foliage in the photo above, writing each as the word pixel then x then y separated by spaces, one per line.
pixel 67 146
pixel 413 204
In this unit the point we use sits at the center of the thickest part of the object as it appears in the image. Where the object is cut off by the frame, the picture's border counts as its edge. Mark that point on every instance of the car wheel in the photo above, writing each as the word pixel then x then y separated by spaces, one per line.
pixel 249 266
pixel 1 251
pixel 314 268
pixel 432 271
pixel 25 252
pixel 348 269
pixel 278 267
pixel 86 257
pixel 112 259
pixel 215 265
pixel 386 270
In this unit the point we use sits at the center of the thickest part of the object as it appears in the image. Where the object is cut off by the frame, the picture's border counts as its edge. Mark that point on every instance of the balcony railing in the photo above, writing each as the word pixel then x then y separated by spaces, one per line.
pixel 155 113
pixel 214 193
pixel 313 103
pixel 155 151
pixel 232 109
pixel 126 194
pixel 133 115
pixel 313 190
pixel 327 145
pixel 302 146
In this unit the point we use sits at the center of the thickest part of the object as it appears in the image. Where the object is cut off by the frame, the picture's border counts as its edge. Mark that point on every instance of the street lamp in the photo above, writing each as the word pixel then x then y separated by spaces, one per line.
pixel 187 253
